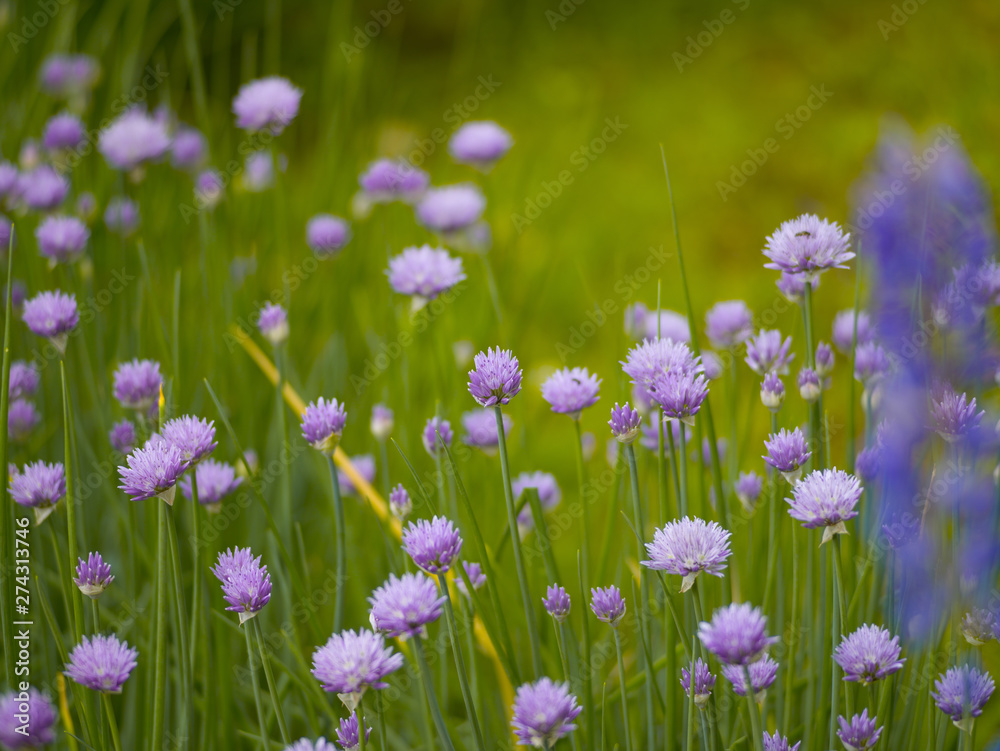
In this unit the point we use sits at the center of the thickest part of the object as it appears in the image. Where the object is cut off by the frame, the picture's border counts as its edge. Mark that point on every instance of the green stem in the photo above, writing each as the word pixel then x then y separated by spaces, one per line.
pixel 643 581
pixel 758 740
pixel 74 594
pixel 425 675
pixel 682 469
pixel 160 677
pixel 340 540
pixel 116 743
pixel 790 676
pixel 585 507
pixel 272 686
pixel 690 718
pixel 196 629
pixel 463 678
pixel 621 683
pixel 381 719
pixel 588 665
pixel 256 688
pixel 362 732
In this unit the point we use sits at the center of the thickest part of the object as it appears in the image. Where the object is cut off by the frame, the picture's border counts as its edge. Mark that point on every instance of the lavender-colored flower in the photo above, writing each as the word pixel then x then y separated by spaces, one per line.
pixel 543 713
pixel 954 415
pixel 668 324
pixel 93 575
pixel 657 358
pixel 479 143
pixel 843 330
pixel 961 693
pixel 121 217
pixel 736 634
pixel 451 208
pixel 481 429
pixel 26 719
pixel 779 743
pixel 137 384
pixel 403 606
pixel 39 486
pixel 364 465
pixel 748 487
pixel 52 315
pixel 680 394
pixel 22 419
pixel 787 452
pixel 810 386
pixel 215 481
pixel 548 490
pixel 762 675
pixel 273 323
pixel 86 206
pixel 400 503
pixel 793 286
pixel 433 545
pixel 825 498
pixel 860 733
pixel 979 626
pixel 435 432
pixel 868 463
pixel 189 149
pixel 728 324
pixel 208 189
pixel 608 605
pixel 871 363
pixel 496 378
pixel 711 365
pixel 382 422
pixel 63 131
pixel 258 171
pixel 102 663
pixel 688 547
pixel 123 437
pixel 625 423
pixel 808 245
pixel 349 733
pixel 131 139
pixel 194 437
pixel 323 424
pixel 326 234
pixel 352 662
pixel 869 654
pixel 571 390
pixel 24 379
pixel 42 188
pixel 246 585
pixel 704 682
pixel 320 744
pixel 824 359
pixel 556 602
pixel 650 437
pixel 388 180
pixel 7 235
pixel 68 76
pixel 767 352
pixel 424 272
pixel 476 577
pixel 8 179
pixel 152 471
pixel 772 391
pixel 266 104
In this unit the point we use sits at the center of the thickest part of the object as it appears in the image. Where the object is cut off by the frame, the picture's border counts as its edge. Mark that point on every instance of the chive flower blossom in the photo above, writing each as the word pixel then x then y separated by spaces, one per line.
pixel 93 575
pixel 434 428
pixel 215 480
pixel 961 693
pixel 121 217
pixel 42 188
pixel 246 585
pixel 778 742
pixel 762 675
pixel 273 323
pixel 608 605
pixel 382 422
pixel 364 465
pixel 810 386
pixel 389 180
pixel 869 654
pixel 102 663
pixel 424 272
pixel 194 437
pixel 52 315
pixel 626 423
pixel 400 503
pixel 451 208
pixel 189 148
pixel 860 734
pixel 133 138
pixel 843 330
pixel 352 662
pixel 39 486
pixel 152 471
pixel 123 437
pixel 496 378
pixel 326 234
pixel 954 415
pixel 304 744
pixel 979 626
pixel 824 359
pixel 787 452
pixel 137 384
pixel 825 498
pixel 543 713
pixel 657 358
pixel 728 324
pixel 548 491
pixel 808 245
pixel 688 547
pixel 349 733
pixel 793 286
pixel 871 363
pixel 556 602
pixel 403 606
pixel 679 394
pixel 736 634
pixel 571 390
pixel 480 427
pixel 22 419
pixel 323 424
pixel 24 379
pixel 772 391
pixel 26 719
pixel 269 104
pixel 704 682
pixel 476 577
pixel 61 239
pixel 433 545
pixel 748 487
pixel 480 143
pixel 767 351
pixel 68 76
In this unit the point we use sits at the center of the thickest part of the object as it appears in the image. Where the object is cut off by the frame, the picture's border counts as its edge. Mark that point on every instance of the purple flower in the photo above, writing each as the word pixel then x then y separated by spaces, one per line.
pixel 869 654
pixel 860 733
pixel 979 626
pixel 871 363
pixel 728 324
pixel 954 415
pixel 668 325
pixel 364 465
pixel 548 490
pixel 556 602
pixel 7 235
pixel 479 143
pixel 608 605
pixel 825 498
pixel 326 234
pixel 349 733
pixel 246 585
pixel 258 171
pixel 772 391
pixel 304 744
pixel 650 438
pixel 543 713
pixel 22 418
pixel 748 487
pixel 8 179
pixel 868 463
pixel 496 378
pixel 323 424
pixel 68 76
pixel 808 245
pixel 402 606
pixel 189 149
pixel 52 315
pixel 451 208
pixel 382 422
pixel 476 577
pixel 102 663
pixel 711 365
pixel 131 139
pixel 767 352
pixel 137 384
pixel 152 471
pixel 93 575
pixel 778 743
pixel 42 189
pixel 688 547
pixel 24 379
pixel 824 359
pixel 843 330
pixel 266 104
pixel 424 272
pixel 215 481
pixel 39 486
pixel 352 662
pixel 481 429
pixel 434 428
pixel 625 423
pixel 679 394
pixel 793 286
pixel 123 437
pixel 787 452
pixel 208 189
pixel 762 675
pixel 961 693
pixel 570 390
pixel 704 682
pixel 657 358
pixel 192 436
pixel 63 131
pixel 810 386
pixel 433 545
pixel 273 323
pixel 121 217
pixel 388 180
pixel 86 206
pixel 736 634
pixel 28 705
pixel 400 503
